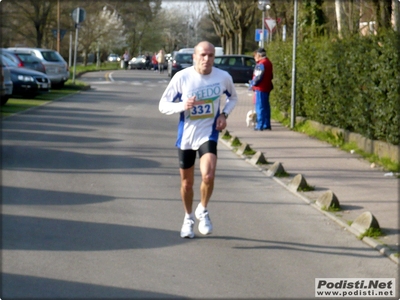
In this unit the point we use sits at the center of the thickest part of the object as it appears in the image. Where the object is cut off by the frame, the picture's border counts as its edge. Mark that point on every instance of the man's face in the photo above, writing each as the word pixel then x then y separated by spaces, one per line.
pixel 204 58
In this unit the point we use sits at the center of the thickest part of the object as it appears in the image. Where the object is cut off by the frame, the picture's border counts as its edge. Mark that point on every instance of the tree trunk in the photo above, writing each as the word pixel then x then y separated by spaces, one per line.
pixel 386 13
pixel 338 18
pixel 396 15
pixel 383 13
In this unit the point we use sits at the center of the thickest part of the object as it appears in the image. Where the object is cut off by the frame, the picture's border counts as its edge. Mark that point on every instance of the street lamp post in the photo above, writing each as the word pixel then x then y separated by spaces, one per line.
pixel 293 97
pixel 262 5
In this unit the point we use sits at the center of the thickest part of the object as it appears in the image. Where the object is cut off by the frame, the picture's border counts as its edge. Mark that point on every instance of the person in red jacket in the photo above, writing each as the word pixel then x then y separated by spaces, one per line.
pixel 154 61
pixel 261 84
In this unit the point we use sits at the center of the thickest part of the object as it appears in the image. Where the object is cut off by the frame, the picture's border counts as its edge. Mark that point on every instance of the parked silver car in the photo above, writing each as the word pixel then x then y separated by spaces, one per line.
pixel 56 66
pixel 113 57
pixel 6 88
pixel 24 60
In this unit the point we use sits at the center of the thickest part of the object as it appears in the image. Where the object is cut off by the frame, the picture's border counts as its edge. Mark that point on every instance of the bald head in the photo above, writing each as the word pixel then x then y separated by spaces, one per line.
pixel 203 57
pixel 204 45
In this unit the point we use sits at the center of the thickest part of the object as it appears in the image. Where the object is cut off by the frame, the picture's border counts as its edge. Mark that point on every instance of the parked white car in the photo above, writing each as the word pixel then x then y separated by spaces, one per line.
pixel 56 67
pixel 113 57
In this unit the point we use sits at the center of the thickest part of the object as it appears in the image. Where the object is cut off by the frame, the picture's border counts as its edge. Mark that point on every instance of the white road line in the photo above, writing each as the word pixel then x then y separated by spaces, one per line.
pixel 110 77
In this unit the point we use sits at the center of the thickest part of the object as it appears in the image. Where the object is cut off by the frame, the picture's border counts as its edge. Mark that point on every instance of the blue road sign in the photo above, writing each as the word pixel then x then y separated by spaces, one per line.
pixel 259 34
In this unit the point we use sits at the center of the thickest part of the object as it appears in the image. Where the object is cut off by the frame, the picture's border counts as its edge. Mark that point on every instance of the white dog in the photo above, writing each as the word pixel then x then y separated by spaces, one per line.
pixel 251 118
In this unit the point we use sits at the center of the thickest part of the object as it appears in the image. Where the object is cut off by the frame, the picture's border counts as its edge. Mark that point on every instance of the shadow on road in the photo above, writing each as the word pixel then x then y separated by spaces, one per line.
pixel 30 286
pixel 46 234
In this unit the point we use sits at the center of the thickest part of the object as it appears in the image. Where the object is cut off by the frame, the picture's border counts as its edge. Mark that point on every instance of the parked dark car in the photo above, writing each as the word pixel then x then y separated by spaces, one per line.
pixel 138 62
pixel 25 60
pixel 26 82
pixel 6 87
pixel 240 67
pixel 180 61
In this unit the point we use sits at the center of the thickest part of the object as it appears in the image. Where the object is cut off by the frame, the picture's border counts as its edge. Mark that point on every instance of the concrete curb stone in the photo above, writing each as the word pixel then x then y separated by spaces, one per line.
pixel 375 243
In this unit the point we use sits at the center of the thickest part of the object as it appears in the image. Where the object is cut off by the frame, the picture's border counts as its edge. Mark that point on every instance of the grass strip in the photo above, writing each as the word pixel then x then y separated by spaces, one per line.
pixel 16 105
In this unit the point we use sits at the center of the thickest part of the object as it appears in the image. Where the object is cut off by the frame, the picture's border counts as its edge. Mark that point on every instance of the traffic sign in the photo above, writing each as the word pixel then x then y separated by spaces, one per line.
pixel 270 24
pixel 258 35
pixel 78 15
pixel 62 33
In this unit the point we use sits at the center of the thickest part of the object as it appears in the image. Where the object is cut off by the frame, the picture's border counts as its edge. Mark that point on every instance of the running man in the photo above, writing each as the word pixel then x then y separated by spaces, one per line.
pixel 196 93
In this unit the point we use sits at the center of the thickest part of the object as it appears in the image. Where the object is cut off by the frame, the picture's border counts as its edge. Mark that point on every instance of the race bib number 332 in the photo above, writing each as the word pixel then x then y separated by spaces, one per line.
pixel 202 110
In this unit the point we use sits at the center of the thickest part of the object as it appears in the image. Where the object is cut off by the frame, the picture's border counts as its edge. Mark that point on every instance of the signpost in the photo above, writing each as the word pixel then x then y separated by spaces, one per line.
pixel 270 24
pixel 78 15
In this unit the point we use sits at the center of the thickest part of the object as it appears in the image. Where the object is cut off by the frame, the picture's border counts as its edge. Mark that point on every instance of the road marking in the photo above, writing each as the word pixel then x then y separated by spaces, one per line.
pixel 108 76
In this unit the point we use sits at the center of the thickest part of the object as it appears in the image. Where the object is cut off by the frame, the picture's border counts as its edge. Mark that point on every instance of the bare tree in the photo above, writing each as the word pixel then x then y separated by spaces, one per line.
pixel 28 19
pixel 338 12
pixel 232 20
pixel 383 14
pixel 396 15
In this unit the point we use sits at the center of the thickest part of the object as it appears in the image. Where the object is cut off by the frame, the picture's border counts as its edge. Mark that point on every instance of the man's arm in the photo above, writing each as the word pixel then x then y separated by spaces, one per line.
pixel 231 98
pixel 258 75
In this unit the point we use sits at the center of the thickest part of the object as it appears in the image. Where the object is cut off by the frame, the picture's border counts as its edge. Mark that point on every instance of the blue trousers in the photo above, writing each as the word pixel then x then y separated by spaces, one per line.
pixel 263 110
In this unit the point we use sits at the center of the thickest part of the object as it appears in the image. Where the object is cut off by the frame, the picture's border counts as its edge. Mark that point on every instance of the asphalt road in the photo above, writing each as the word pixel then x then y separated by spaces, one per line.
pixel 91 209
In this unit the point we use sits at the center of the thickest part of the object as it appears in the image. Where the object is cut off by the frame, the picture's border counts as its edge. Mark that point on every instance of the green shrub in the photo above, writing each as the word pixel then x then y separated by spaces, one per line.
pixel 350 83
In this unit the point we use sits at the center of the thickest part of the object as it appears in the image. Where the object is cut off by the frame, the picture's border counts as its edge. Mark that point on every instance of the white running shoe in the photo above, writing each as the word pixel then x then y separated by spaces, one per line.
pixel 187 228
pixel 205 226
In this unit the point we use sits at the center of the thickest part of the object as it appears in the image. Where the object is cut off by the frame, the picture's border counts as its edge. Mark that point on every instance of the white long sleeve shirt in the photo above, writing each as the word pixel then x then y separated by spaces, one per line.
pixel 197 126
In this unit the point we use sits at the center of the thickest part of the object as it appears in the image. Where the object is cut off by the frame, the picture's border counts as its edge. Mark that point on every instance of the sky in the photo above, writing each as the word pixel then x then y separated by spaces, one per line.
pixel 173 3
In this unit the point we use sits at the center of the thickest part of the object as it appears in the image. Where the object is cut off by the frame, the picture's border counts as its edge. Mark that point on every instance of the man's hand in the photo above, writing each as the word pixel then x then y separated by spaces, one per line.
pixel 221 122
pixel 189 103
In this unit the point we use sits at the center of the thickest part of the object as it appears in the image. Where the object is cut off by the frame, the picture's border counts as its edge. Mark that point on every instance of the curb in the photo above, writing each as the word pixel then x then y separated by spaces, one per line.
pixel 373 243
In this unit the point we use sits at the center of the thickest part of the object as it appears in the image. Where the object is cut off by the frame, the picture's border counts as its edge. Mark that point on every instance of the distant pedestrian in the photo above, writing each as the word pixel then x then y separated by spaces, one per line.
pixel 161 61
pixel 148 61
pixel 154 61
pixel 262 85
pixel 126 58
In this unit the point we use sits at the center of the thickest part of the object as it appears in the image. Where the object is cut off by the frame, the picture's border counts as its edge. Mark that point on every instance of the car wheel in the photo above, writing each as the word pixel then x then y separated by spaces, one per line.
pixel 4 100
pixel 58 85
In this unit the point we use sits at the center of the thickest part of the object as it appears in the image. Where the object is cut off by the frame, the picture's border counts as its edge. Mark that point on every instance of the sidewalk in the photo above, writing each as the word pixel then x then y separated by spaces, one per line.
pixel 358 187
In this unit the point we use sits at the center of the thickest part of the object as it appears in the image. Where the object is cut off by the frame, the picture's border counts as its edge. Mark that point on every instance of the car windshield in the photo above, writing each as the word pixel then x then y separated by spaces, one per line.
pixel 51 56
pixel 5 61
pixel 11 57
pixel 185 58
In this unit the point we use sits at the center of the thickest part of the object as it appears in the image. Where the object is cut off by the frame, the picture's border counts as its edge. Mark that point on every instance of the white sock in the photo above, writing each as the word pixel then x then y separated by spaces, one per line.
pixel 189 216
pixel 202 207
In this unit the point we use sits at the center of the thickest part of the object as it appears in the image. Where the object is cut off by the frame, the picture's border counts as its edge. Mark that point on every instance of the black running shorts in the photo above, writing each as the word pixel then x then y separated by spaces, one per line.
pixel 187 158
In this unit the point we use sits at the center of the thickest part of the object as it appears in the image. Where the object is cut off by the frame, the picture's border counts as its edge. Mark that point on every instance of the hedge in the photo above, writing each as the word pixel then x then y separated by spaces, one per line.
pixel 351 83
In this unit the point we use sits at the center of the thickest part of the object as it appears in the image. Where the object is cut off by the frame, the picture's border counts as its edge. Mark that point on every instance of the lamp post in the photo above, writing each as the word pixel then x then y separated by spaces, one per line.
pixel 262 5
pixel 293 97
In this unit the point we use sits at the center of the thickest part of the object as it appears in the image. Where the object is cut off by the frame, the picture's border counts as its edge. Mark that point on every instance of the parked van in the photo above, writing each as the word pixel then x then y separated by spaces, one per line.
pixel 219 51
pixel 186 50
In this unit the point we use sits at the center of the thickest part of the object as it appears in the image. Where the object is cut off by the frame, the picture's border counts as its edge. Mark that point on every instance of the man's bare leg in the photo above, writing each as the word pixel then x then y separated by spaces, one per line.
pixel 187 181
pixel 208 163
